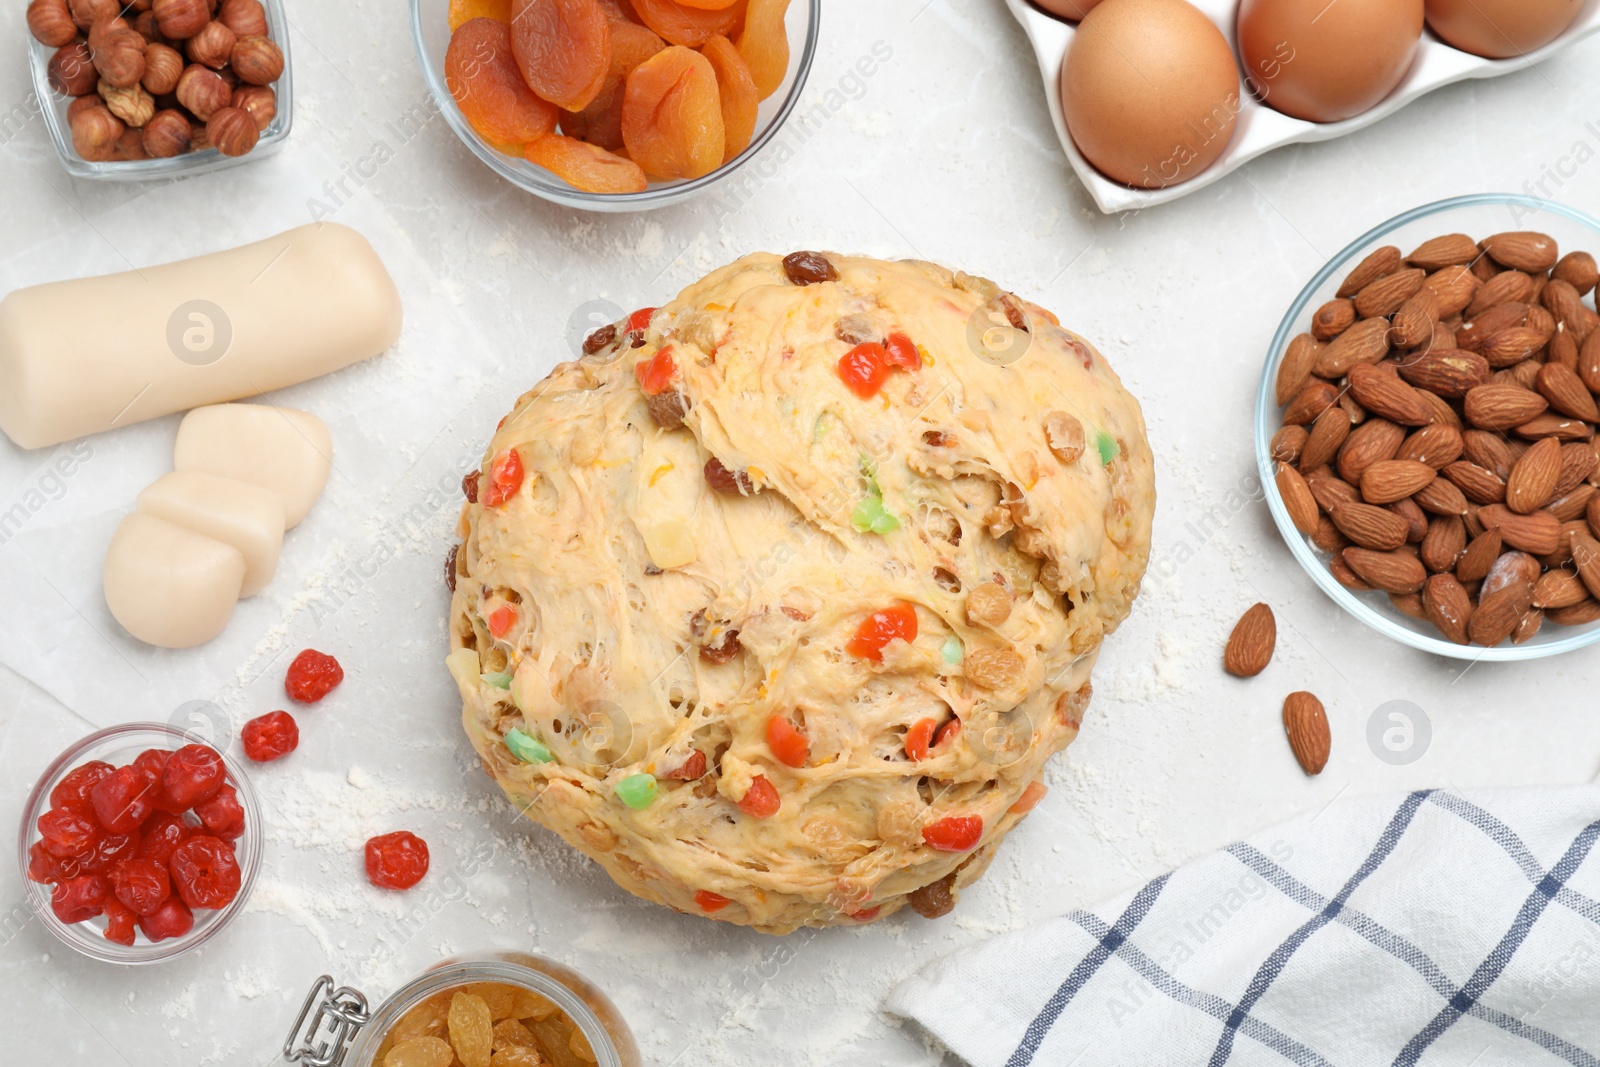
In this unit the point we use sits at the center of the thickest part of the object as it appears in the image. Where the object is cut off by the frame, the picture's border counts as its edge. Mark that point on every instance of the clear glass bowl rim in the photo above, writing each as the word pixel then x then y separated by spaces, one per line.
pixel 656 196
pixel 1267 410
pixel 142 952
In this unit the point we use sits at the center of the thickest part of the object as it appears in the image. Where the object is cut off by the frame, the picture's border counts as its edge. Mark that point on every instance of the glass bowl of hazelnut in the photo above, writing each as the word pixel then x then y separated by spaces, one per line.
pixel 160 88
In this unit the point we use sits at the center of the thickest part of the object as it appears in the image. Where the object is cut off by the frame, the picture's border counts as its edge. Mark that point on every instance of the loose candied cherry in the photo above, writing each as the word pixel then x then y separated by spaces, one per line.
pixel 900 351
pixel 119 922
pixel 205 872
pixel 108 851
pixel 67 833
pixel 43 867
pixel 172 919
pixel 141 884
pixel 313 675
pixel 193 775
pixel 270 736
pixel 656 373
pixel 709 902
pixel 787 741
pixel 881 627
pixel 153 760
pixel 161 833
pixel 124 799
pixel 505 478
pixel 72 791
pixel 918 739
pixel 864 369
pixel 761 800
pixel 79 898
pixel 954 833
pixel 397 860
pixel 222 815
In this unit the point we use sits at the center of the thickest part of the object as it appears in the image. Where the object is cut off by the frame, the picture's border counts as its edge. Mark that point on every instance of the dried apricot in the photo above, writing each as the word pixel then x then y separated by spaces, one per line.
pixel 487 84
pixel 601 122
pixel 564 49
pixel 587 166
pixel 765 44
pixel 464 11
pixel 739 96
pixel 687 24
pixel 672 115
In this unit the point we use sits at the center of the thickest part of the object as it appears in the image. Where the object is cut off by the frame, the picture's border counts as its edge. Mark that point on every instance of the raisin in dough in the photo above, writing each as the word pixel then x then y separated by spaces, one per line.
pixel 657 624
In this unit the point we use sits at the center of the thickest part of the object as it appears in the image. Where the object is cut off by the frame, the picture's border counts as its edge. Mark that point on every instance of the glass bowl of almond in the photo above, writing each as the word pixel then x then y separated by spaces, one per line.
pixel 1426 428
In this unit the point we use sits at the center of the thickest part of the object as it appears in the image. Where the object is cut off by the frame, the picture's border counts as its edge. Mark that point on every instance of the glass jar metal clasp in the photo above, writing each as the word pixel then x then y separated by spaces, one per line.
pixel 328 1021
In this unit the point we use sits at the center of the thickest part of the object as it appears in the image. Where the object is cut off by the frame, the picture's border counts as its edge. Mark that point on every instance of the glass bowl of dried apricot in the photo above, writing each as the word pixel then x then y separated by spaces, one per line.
pixel 615 105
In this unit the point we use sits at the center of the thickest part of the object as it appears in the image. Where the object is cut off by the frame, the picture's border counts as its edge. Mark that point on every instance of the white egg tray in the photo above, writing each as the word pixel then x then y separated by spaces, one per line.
pixel 1259 128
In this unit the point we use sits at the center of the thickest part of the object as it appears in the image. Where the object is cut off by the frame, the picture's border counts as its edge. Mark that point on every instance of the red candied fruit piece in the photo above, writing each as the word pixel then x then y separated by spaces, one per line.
pixel 124 799
pixel 865 915
pixel 640 320
pixel 656 373
pixel 153 760
pixel 270 736
pixel 902 352
pixel 79 898
pixel 66 832
pixel 948 733
pixel 501 620
pixel 881 627
pixel 119 922
pixel 397 860
pixel 313 675
pixel 72 791
pixel 172 919
pixel 205 872
pixel 142 885
pixel 761 801
pixel 505 478
pixel 954 833
pixel 109 851
pixel 43 867
pixel 919 739
pixel 161 834
pixel 193 775
pixel 708 902
pixel 864 369
pixel 787 741
pixel 222 815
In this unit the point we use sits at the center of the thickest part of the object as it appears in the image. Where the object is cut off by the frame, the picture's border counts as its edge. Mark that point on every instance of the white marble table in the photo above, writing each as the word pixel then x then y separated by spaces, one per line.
pixel 946 153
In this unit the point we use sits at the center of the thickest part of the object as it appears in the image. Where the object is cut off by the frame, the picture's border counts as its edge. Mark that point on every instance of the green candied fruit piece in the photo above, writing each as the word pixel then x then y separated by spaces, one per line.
pixel 1107 445
pixel 953 649
pixel 638 791
pixel 500 680
pixel 870 516
pixel 527 749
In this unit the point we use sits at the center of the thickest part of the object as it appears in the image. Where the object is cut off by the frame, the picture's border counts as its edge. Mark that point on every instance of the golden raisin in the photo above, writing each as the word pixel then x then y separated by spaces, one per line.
pixel 993 668
pixel 471 1030
pixel 988 604
pixel 420 1052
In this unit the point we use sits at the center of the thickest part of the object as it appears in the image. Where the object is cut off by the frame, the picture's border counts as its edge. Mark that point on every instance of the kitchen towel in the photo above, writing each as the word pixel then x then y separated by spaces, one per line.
pixel 1433 928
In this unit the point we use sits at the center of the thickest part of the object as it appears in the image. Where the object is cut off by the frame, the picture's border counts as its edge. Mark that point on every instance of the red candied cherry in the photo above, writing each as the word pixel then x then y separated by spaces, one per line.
pixel 193 775
pixel 900 351
pixel 954 833
pixel 153 760
pixel 205 872
pixel 397 860
pixel 761 800
pixel 505 478
pixel 865 915
pixel 119 922
pixel 501 620
pixel 79 898
pixel 142 885
pixel 160 835
pixel 124 799
pixel 109 851
pixel 919 739
pixel 172 919
pixel 640 320
pixel 312 676
pixel 270 736
pixel 43 867
pixel 864 369
pixel 881 627
pixel 1030 798
pixel 72 792
pixel 947 733
pixel 787 741
pixel 708 902
pixel 66 833
pixel 222 815
pixel 656 373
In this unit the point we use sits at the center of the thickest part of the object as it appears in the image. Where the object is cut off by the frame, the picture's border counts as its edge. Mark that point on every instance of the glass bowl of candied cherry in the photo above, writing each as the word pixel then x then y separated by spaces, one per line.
pixel 618 105
pixel 139 844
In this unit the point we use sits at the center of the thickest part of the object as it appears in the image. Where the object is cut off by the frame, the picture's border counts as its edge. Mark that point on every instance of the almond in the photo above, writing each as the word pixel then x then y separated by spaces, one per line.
pixel 1528 626
pixel 1589 362
pixel 1593 515
pixel 1305 723
pixel 1365 342
pixel 1540 320
pixel 1376 264
pixel 1586 557
pixel 1328 538
pixel 1523 375
pixel 1369 526
pixel 1445 251
pixel 1385 295
pixel 1566 307
pixel 1327 434
pixel 1501 407
pixel 1442 497
pixel 1440 411
pixel 1450 372
pixel 1442 545
pixel 1538 532
pixel 1373 440
pixel 1577 615
pixel 1578 461
pixel 1572 506
pixel 1413 323
pixel 1533 479
pixel 1295 370
pixel 1393 572
pixel 1480 327
pixel 1563 350
pixel 1562 556
pixel 1566 392
pixel 1315 397
pixel 1511 286
pixel 1297 499
pixel 1512 568
pixel 1332 319
pixel 1329 490
pixel 1345 576
pixel 1287 444
pixel 1415 518
pixel 1557 426
pixel 1511 346
pixel 1455 287
pixel 1523 250
pixel 1489 451
pixel 1480 555
pixel 1478 485
pixel 1578 270
pixel 1409 604
pixel 1436 445
pixel 1250 646
pixel 1497 615
pixel 1356 413
pixel 1394 479
pixel 1383 393
pixel 1559 589
pixel 1483 268
pixel 1448 606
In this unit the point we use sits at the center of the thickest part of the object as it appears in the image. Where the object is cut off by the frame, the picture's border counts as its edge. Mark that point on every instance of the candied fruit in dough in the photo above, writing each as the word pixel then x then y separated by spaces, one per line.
pixel 487 85
pixel 563 48
pixel 739 96
pixel 464 11
pixel 764 43
pixel 587 166
pixel 687 24
pixel 672 115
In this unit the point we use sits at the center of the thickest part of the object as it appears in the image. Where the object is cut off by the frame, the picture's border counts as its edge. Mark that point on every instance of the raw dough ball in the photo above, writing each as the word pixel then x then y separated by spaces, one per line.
pixel 169 586
pixel 236 513
pixel 287 451
pixel 650 596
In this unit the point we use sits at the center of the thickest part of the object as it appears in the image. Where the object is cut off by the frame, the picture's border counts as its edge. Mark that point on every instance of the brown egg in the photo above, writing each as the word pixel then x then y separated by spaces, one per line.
pixel 1500 29
pixel 1067 9
pixel 1149 90
pixel 1325 61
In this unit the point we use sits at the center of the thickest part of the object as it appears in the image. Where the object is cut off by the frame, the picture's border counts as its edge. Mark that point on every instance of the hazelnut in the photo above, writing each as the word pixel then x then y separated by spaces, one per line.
pixel 246 18
pixel 118 52
pixel 71 70
pixel 203 91
pixel 260 101
pixel 133 106
pixel 232 131
pixel 145 25
pixel 166 135
pixel 130 146
pixel 51 22
pixel 181 19
pixel 257 60
pixel 162 68
pixel 86 13
pixel 95 132
pixel 83 103
pixel 211 46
